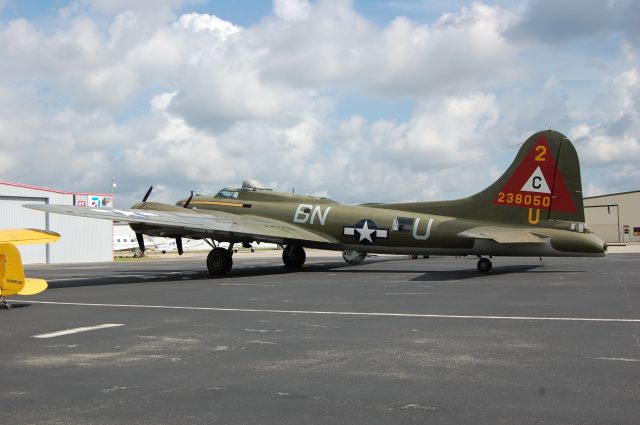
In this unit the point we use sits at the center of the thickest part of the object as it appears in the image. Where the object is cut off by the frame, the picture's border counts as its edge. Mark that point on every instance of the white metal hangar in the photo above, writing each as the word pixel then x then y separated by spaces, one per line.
pixel 82 239
pixel 614 217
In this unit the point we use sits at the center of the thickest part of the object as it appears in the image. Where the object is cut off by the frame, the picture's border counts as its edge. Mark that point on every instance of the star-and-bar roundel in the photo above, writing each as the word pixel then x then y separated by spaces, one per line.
pixel 366 232
pixel 536 183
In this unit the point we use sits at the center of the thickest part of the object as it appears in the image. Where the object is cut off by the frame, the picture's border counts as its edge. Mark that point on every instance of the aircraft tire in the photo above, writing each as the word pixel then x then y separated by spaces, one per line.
pixel 293 256
pixel 353 257
pixel 484 265
pixel 228 263
pixel 219 261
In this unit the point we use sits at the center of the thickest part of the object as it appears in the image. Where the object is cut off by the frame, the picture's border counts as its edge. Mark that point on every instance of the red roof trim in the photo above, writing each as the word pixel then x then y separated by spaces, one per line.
pixel 46 189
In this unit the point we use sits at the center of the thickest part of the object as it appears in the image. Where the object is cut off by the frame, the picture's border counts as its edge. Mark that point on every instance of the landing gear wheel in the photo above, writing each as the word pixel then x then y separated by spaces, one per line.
pixel 484 265
pixel 353 257
pixel 293 256
pixel 4 305
pixel 219 261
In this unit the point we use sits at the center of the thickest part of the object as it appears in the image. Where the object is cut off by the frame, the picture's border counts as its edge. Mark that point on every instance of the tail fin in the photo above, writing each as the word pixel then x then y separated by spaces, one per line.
pixel 12 280
pixel 542 183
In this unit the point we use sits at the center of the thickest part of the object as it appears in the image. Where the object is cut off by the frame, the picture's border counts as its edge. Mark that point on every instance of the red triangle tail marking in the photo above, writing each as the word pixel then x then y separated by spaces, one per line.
pixel 515 194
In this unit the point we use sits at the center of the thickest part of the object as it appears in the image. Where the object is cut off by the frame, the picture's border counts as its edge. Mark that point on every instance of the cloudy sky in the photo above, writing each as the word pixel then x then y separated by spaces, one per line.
pixel 357 100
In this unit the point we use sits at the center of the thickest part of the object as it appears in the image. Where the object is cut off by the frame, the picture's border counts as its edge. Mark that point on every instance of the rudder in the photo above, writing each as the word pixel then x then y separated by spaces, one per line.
pixel 542 183
pixel 12 279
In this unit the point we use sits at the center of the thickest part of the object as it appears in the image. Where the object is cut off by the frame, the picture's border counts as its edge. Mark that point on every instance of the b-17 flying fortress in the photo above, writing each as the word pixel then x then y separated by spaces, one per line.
pixel 534 209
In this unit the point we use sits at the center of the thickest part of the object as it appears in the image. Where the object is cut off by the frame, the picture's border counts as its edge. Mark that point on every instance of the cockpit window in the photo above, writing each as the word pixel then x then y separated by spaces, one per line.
pixel 227 194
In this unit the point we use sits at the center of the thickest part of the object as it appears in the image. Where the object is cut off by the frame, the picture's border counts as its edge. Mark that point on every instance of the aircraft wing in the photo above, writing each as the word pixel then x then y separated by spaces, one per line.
pixel 27 236
pixel 503 234
pixel 197 223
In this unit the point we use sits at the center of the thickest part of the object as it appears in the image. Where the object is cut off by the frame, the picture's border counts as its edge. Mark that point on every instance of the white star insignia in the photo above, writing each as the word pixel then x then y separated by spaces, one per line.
pixel 365 232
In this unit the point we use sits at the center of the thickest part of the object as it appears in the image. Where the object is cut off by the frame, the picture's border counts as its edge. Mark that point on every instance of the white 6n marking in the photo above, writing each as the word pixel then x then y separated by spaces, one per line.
pixel 308 213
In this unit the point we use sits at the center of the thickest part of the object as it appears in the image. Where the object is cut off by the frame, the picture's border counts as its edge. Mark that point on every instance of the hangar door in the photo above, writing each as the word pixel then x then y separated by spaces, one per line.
pixel 603 221
pixel 13 215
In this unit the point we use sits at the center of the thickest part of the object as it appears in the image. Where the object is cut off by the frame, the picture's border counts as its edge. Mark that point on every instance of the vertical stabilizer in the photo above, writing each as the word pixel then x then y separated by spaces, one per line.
pixel 543 183
pixel 11 271
pixel 12 280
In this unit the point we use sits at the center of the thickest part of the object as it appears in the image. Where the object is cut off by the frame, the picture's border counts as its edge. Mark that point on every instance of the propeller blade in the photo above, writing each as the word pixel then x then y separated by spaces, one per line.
pixel 186 204
pixel 146 196
pixel 179 245
pixel 140 238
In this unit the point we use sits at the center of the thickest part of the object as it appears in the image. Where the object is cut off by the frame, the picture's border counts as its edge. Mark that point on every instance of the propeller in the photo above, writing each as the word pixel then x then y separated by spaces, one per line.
pixel 186 204
pixel 179 238
pixel 146 195
pixel 139 236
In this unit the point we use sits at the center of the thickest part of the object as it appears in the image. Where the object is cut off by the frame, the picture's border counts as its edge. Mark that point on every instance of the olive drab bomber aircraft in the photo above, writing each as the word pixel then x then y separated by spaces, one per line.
pixel 534 209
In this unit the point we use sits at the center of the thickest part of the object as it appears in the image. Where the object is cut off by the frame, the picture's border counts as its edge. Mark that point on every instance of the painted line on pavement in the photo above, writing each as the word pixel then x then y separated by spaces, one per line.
pixel 77 330
pixel 344 313
pixel 615 359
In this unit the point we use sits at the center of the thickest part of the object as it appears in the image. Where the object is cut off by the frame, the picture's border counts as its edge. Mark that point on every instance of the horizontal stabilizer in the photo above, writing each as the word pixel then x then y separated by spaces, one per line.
pixel 503 234
pixel 33 286
pixel 27 236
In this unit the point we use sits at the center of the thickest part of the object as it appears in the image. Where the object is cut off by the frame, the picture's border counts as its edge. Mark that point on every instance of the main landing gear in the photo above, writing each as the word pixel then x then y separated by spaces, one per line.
pixel 293 256
pixel 484 265
pixel 4 305
pixel 220 261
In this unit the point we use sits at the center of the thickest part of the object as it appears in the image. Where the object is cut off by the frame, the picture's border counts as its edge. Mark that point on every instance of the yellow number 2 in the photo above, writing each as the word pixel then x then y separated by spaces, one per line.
pixel 542 150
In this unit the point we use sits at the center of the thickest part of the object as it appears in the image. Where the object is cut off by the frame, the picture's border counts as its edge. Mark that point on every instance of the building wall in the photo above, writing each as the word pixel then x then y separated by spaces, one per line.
pixel 82 239
pixel 615 217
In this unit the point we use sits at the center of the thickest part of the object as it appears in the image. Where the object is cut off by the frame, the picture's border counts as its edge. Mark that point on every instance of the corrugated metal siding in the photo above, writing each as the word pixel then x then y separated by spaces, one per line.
pixel 82 239
pixel 628 209
pixel 603 221
pixel 13 216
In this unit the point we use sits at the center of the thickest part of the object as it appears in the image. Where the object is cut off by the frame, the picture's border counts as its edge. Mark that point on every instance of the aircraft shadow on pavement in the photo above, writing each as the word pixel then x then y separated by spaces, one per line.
pixel 277 269
pixel 15 305
pixel 444 275
pixel 202 274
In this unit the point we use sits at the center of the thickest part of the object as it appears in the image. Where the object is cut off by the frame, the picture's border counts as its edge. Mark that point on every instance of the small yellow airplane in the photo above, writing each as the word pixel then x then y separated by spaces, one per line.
pixel 12 280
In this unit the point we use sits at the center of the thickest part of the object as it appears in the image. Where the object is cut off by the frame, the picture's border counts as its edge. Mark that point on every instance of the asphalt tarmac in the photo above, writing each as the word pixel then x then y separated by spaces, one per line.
pixel 392 341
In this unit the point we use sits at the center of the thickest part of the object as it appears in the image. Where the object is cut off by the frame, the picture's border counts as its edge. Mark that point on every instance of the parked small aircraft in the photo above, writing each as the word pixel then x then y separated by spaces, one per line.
pixel 534 209
pixel 12 280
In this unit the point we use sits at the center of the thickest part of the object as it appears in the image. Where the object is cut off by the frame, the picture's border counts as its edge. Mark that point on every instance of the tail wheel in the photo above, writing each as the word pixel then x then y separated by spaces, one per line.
pixel 219 261
pixel 484 265
pixel 293 256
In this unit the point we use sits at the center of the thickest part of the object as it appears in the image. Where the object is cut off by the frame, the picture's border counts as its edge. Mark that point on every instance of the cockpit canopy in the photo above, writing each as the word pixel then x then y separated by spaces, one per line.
pixel 247 185
pixel 227 193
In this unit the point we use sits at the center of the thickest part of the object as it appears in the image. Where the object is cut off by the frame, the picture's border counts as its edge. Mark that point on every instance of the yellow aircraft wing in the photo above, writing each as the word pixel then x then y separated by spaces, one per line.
pixel 27 236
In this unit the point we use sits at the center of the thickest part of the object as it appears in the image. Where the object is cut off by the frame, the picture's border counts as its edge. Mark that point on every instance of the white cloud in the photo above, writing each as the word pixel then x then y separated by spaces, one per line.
pixel 292 10
pixel 337 46
pixel 192 101
pixel 197 22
